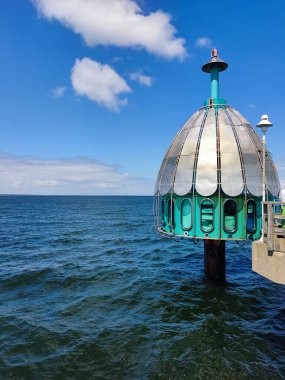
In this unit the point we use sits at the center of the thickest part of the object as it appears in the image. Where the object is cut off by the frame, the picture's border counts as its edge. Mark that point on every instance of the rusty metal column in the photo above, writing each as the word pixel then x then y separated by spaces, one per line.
pixel 215 259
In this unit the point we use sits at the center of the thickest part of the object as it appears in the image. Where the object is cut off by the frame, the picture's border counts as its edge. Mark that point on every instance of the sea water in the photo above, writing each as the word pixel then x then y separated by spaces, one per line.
pixel 88 290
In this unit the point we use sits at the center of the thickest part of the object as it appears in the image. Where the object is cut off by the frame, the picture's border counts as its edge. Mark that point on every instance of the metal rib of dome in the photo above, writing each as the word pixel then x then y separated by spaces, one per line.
pixel 216 149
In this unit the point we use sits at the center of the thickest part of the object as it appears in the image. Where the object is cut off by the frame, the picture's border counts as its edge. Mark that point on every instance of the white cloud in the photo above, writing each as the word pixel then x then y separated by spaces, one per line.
pixel 204 42
pixel 117 60
pixel 59 91
pixel 76 176
pixel 99 83
pixel 116 22
pixel 142 79
pixel 252 106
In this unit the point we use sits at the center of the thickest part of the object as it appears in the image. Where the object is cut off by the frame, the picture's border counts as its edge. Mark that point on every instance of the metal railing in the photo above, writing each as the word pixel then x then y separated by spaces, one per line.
pixel 272 222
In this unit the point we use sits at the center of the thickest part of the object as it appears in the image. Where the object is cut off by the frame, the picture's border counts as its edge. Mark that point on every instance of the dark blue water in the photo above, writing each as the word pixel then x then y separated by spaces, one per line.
pixel 88 290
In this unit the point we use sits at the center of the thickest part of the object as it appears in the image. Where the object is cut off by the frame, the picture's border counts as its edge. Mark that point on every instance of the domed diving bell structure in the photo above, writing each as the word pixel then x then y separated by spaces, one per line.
pixel 209 185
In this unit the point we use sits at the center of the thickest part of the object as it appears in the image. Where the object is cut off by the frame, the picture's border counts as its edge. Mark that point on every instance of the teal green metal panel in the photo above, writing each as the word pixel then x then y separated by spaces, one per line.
pixel 218 231
pixel 215 102
pixel 257 234
pixel 166 226
pixel 180 229
pixel 164 214
pixel 177 227
pixel 240 233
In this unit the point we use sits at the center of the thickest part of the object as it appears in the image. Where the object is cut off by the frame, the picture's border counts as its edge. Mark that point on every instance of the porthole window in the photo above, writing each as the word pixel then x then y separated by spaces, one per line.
pixel 251 216
pixel 230 215
pixel 170 213
pixel 186 214
pixel 207 215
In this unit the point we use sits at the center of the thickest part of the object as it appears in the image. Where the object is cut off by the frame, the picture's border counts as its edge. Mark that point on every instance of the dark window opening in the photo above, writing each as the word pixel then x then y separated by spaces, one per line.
pixel 230 216
pixel 251 216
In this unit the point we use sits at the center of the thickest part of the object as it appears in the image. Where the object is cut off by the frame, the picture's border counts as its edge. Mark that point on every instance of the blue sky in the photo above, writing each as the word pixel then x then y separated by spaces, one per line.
pixel 93 91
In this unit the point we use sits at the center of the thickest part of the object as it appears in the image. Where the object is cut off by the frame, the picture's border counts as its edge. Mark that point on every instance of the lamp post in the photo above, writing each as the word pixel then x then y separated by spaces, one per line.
pixel 263 125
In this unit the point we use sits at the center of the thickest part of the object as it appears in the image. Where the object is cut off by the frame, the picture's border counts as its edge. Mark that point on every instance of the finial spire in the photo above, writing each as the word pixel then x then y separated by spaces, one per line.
pixel 214 53
pixel 214 67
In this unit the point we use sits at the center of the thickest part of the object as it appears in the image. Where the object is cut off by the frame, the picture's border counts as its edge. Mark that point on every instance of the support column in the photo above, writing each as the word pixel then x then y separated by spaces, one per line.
pixel 214 82
pixel 215 259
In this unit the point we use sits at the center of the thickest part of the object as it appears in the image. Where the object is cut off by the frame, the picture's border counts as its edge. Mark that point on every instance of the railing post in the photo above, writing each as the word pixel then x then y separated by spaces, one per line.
pixel 264 218
pixel 270 226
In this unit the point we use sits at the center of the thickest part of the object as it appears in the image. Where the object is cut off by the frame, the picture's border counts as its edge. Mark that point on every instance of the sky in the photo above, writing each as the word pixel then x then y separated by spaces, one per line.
pixel 92 92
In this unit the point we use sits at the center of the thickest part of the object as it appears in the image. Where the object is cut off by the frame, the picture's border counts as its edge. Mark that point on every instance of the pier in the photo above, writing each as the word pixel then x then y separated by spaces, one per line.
pixel 268 253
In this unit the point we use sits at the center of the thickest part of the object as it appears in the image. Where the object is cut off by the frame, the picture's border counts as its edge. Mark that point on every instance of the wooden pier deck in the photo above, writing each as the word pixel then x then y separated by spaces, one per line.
pixel 268 254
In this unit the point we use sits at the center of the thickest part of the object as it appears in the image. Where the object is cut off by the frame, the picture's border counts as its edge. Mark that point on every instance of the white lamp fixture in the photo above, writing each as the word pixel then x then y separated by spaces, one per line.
pixel 263 125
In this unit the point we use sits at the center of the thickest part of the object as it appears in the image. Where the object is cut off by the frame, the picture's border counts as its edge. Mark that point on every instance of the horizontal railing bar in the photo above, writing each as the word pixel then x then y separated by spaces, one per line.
pixel 273 203
pixel 279 231
pixel 278 216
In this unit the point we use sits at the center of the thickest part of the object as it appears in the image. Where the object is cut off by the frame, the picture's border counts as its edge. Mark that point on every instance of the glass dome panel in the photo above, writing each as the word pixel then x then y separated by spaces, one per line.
pixel 242 119
pixel 231 169
pixel 251 163
pixel 184 173
pixel 206 177
pixel 272 179
pixel 167 171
